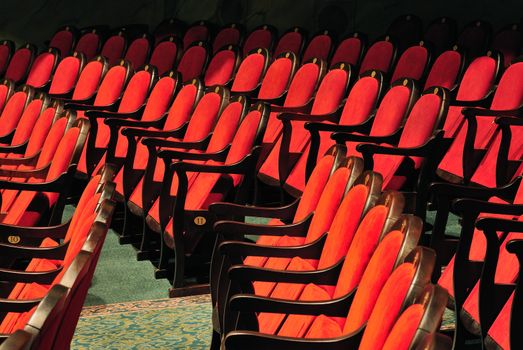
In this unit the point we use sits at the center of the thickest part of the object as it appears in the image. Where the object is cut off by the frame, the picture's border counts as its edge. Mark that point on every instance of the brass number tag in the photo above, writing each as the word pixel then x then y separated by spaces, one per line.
pixel 200 220
pixel 13 239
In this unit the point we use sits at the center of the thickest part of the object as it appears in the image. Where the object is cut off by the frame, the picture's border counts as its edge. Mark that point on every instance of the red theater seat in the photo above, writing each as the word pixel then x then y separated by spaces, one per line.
pixel 474 37
pixel 193 61
pixel 231 34
pixel 168 27
pixel 293 40
pixel 42 69
pixel 446 70
pixel 138 51
pixel 14 109
pixel 165 54
pixel 262 36
pixel 64 40
pixel 413 63
pixel 508 41
pixel 350 50
pixel 66 75
pixel 406 30
pixel 379 56
pixel 251 73
pixel 7 47
pixel 320 46
pixel 198 31
pixel 90 41
pixel 7 89
pixel 222 67
pixel 441 33
pixel 20 63
pixel 114 47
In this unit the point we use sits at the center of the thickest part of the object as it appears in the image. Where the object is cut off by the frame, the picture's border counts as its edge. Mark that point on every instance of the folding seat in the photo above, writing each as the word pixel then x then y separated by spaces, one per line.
pixel 42 69
pixel 298 97
pixel 405 31
pixel 293 40
pixel 441 33
pixel 7 47
pixel 336 328
pixel 114 47
pixel 356 116
pixel 478 131
pixel 88 82
pixel 228 175
pixel 165 54
pixel 475 37
pixel 409 165
pixel 138 51
pixel 7 89
pixel 413 63
pixel 20 63
pixel 208 129
pixel 198 31
pixel 222 66
pixel 508 41
pixel 320 46
pixel 116 90
pixel 90 41
pixel 168 27
pixel 231 34
pixel 350 50
pixel 66 75
pixel 446 70
pixel 193 61
pixel 64 39
pixel 41 200
pixel 358 226
pixel 379 56
pixel 295 138
pixel 253 68
pixel 262 36
pixel 475 87
pixel 151 113
pixel 24 126
pixel 14 109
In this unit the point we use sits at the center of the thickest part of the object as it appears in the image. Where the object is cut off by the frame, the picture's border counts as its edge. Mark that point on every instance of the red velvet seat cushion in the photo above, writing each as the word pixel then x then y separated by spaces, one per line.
pixel 387 308
pixel 137 52
pixel 378 57
pixel 65 76
pixel 318 47
pixel 404 330
pixel 221 68
pixel 41 70
pixel 19 64
pixel 276 79
pixel 88 81
pixel 289 42
pixel 88 45
pixel 412 63
pixel 257 38
pixel 113 49
pixel 164 56
pixel 250 72
pixel 192 63
pixel 445 70
pixel 348 51
pixel 226 36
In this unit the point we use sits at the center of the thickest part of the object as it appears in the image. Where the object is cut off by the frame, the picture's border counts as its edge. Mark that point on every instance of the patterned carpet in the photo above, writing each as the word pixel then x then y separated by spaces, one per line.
pixel 180 323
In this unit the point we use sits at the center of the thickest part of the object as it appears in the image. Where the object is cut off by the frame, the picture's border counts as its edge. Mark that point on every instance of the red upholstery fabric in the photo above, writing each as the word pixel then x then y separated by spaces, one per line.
pixel 65 76
pixel 111 86
pixel 308 201
pixel 226 36
pixel 3 96
pixel 289 42
pixel 135 93
pixel 249 73
pixel 225 127
pixel 276 79
pixel 387 308
pixel 498 334
pixel 365 241
pixel 419 127
pixel 343 233
pixel 257 38
pixel 402 334
pixel 159 99
pixel 12 112
pixel 378 56
pixel 113 49
pixel 88 45
pixel 195 33
pixel 478 79
pixel 41 129
pixel 318 47
pixel 137 52
pixel 19 64
pixel 348 51
pixel 412 63
pixel 509 93
pixel 63 41
pixel 192 63
pixel 220 69
pixel 324 327
pixel 4 57
pixel 41 70
pixel 181 108
pixel 330 92
pixel 88 81
pixel 445 70
pixel 164 56
pixel 27 122
pixel 204 117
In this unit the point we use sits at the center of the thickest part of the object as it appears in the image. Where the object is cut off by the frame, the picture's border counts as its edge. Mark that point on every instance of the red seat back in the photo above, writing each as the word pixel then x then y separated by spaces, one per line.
pixel 6 51
pixel 251 71
pixel 20 63
pixel 320 46
pixel 64 39
pixel 221 67
pixel 112 84
pixel 508 42
pixel 183 105
pixel 165 54
pixel 406 31
pixel 42 69
pixel 114 48
pixel 199 31
pixel 262 36
pixel 445 70
pixel 228 35
pixel 291 41
pixel 138 51
pixel 475 37
pixel 89 43
pixel 193 61
pixel 349 50
pixel 278 77
pixel 412 63
pixel 441 33
pixel 379 56
pixel 89 79
pixel 66 74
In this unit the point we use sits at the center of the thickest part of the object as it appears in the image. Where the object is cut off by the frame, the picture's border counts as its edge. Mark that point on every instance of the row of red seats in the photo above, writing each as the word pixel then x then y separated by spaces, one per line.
pixel 47 273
